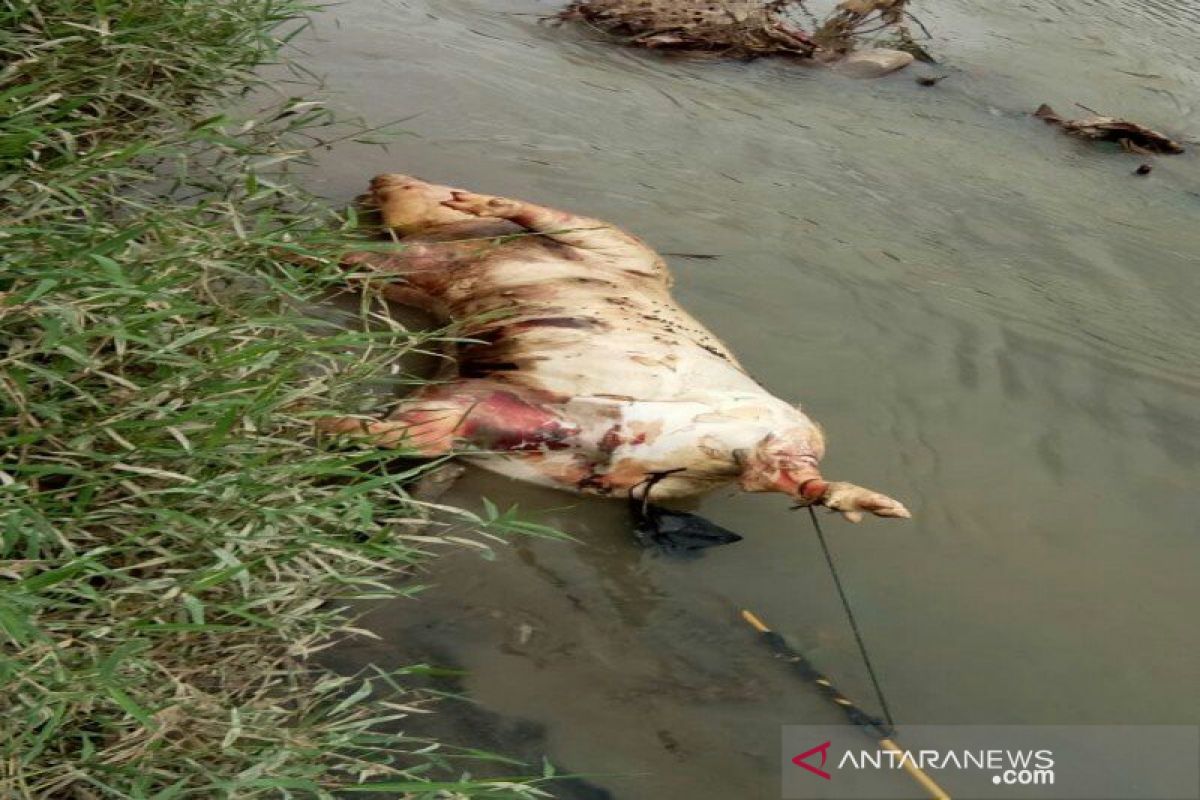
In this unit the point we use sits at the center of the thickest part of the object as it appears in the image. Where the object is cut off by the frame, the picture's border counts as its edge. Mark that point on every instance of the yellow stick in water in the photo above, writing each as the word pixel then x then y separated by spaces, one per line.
pixel 909 764
pixel 918 775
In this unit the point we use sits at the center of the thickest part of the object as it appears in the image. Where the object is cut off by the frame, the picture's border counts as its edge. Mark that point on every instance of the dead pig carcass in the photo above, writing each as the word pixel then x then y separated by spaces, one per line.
pixel 577 369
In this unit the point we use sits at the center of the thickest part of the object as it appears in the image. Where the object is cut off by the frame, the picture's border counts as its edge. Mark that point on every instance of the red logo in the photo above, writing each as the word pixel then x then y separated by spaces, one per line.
pixel 823 749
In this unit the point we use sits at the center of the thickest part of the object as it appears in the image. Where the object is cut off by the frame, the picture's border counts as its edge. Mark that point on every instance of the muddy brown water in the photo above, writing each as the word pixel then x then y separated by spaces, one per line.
pixel 994 323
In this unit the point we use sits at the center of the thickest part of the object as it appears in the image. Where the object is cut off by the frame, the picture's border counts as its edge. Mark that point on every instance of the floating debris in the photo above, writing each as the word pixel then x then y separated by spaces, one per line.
pixel 1132 137
pixel 734 28
pixel 752 28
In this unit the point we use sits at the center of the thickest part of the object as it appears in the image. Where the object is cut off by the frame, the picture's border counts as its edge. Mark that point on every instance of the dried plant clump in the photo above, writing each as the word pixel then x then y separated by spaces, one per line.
pixel 854 19
pixel 737 28
pixel 744 28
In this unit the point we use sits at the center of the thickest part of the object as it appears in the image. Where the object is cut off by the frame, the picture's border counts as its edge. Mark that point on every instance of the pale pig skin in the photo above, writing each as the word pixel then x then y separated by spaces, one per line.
pixel 585 375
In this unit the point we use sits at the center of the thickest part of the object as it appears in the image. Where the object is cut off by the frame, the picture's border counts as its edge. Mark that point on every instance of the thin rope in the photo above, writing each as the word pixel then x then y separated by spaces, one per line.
pixel 862 647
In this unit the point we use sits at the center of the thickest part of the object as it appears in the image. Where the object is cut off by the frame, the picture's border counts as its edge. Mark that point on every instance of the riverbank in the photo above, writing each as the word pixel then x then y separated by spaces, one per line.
pixel 174 543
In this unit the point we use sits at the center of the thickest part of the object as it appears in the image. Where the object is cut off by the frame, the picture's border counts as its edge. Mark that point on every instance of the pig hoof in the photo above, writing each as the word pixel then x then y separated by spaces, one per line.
pixel 853 500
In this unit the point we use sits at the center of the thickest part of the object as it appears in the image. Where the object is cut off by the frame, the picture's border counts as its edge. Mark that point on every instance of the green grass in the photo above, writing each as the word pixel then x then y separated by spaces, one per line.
pixel 174 543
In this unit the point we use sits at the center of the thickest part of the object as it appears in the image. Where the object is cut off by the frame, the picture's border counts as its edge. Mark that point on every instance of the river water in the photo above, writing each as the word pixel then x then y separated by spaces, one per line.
pixel 994 323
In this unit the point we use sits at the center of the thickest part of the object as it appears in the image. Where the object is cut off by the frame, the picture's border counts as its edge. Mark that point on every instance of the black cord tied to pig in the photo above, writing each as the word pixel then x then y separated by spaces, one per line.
pixel 862 645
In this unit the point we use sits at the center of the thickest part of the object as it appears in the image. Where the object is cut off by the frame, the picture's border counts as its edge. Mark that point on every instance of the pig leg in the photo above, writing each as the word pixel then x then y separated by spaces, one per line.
pixel 850 499
pixel 395 269
pixel 463 417
pixel 421 428
pixel 585 233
